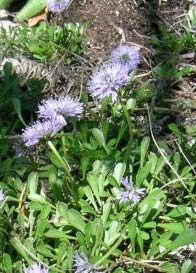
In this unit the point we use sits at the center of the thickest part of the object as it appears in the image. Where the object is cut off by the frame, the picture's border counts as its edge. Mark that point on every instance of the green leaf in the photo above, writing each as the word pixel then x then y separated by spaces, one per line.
pixel 170 268
pixel 76 220
pixel 69 260
pixel 153 160
pixel 4 4
pixel 106 212
pixel 150 225
pixel 173 127
pixel 187 237
pixel 165 239
pixel 187 266
pixel 119 171
pixel 118 270
pixel 142 173
pixel 16 243
pixel 42 224
pixel 45 250
pixel 31 9
pixel 132 230
pixel 191 130
pixel 151 206
pixel 7 263
pixel 121 133
pixel 173 227
pixel 93 180
pixel 180 211
pixel 56 234
pixel 113 233
pixel 81 238
pixel 104 103
pixel 37 198
pixel 33 182
pixel 19 266
pixel 88 192
pixel 160 165
pixel 131 103
pixel 145 236
pixel 61 209
pixel 86 207
pixel 98 135
pixel 17 108
pixel 97 232
pixel 84 165
pixel 143 149
pixel 61 252
pixel 140 241
pixel 105 129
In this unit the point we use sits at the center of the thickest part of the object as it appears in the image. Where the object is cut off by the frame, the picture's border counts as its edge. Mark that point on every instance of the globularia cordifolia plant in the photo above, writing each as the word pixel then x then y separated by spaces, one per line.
pixel 112 76
pixel 52 113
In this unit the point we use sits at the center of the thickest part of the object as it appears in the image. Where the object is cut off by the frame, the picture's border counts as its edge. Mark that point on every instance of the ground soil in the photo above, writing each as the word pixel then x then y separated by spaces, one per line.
pixel 112 22
pixel 115 21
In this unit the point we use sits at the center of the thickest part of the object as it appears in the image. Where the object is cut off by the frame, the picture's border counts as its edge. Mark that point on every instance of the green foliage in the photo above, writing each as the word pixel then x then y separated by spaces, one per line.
pixel 44 42
pixel 64 197
pixel 167 51
pixel 17 106
pixel 70 202
pixel 15 101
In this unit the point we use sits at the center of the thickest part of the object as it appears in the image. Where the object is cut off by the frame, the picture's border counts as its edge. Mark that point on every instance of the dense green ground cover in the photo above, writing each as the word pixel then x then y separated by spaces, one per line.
pixel 107 193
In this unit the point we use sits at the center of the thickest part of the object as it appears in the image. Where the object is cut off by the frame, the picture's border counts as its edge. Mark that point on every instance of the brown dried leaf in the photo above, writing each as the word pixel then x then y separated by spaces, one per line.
pixel 35 20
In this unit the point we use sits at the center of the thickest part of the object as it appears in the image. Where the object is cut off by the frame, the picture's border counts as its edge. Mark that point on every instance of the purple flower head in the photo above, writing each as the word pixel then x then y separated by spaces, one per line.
pixel 66 107
pixel 2 196
pixel 130 192
pixel 34 133
pixel 127 56
pixel 82 265
pixel 57 6
pixel 36 268
pixel 48 109
pixel 69 107
pixel 107 81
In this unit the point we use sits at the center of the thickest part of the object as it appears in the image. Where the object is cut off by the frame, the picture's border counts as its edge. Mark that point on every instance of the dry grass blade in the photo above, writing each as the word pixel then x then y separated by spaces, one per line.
pixel 162 153
pixel 143 263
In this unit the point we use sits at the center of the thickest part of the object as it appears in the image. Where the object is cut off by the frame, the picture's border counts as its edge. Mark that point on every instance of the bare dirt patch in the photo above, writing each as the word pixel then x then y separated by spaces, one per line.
pixel 115 21
pixel 120 21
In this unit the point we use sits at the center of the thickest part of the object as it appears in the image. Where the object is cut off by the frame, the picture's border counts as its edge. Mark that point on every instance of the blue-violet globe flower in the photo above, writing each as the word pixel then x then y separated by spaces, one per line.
pixel 130 193
pixel 36 268
pixel 57 6
pixel 67 107
pixel 2 196
pixel 82 265
pixel 127 56
pixel 41 129
pixel 107 81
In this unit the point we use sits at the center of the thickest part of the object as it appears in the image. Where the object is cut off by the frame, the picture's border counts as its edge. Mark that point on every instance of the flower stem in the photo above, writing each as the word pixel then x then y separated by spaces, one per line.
pixel 129 122
pixel 67 170
pixel 118 242
pixel 62 161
